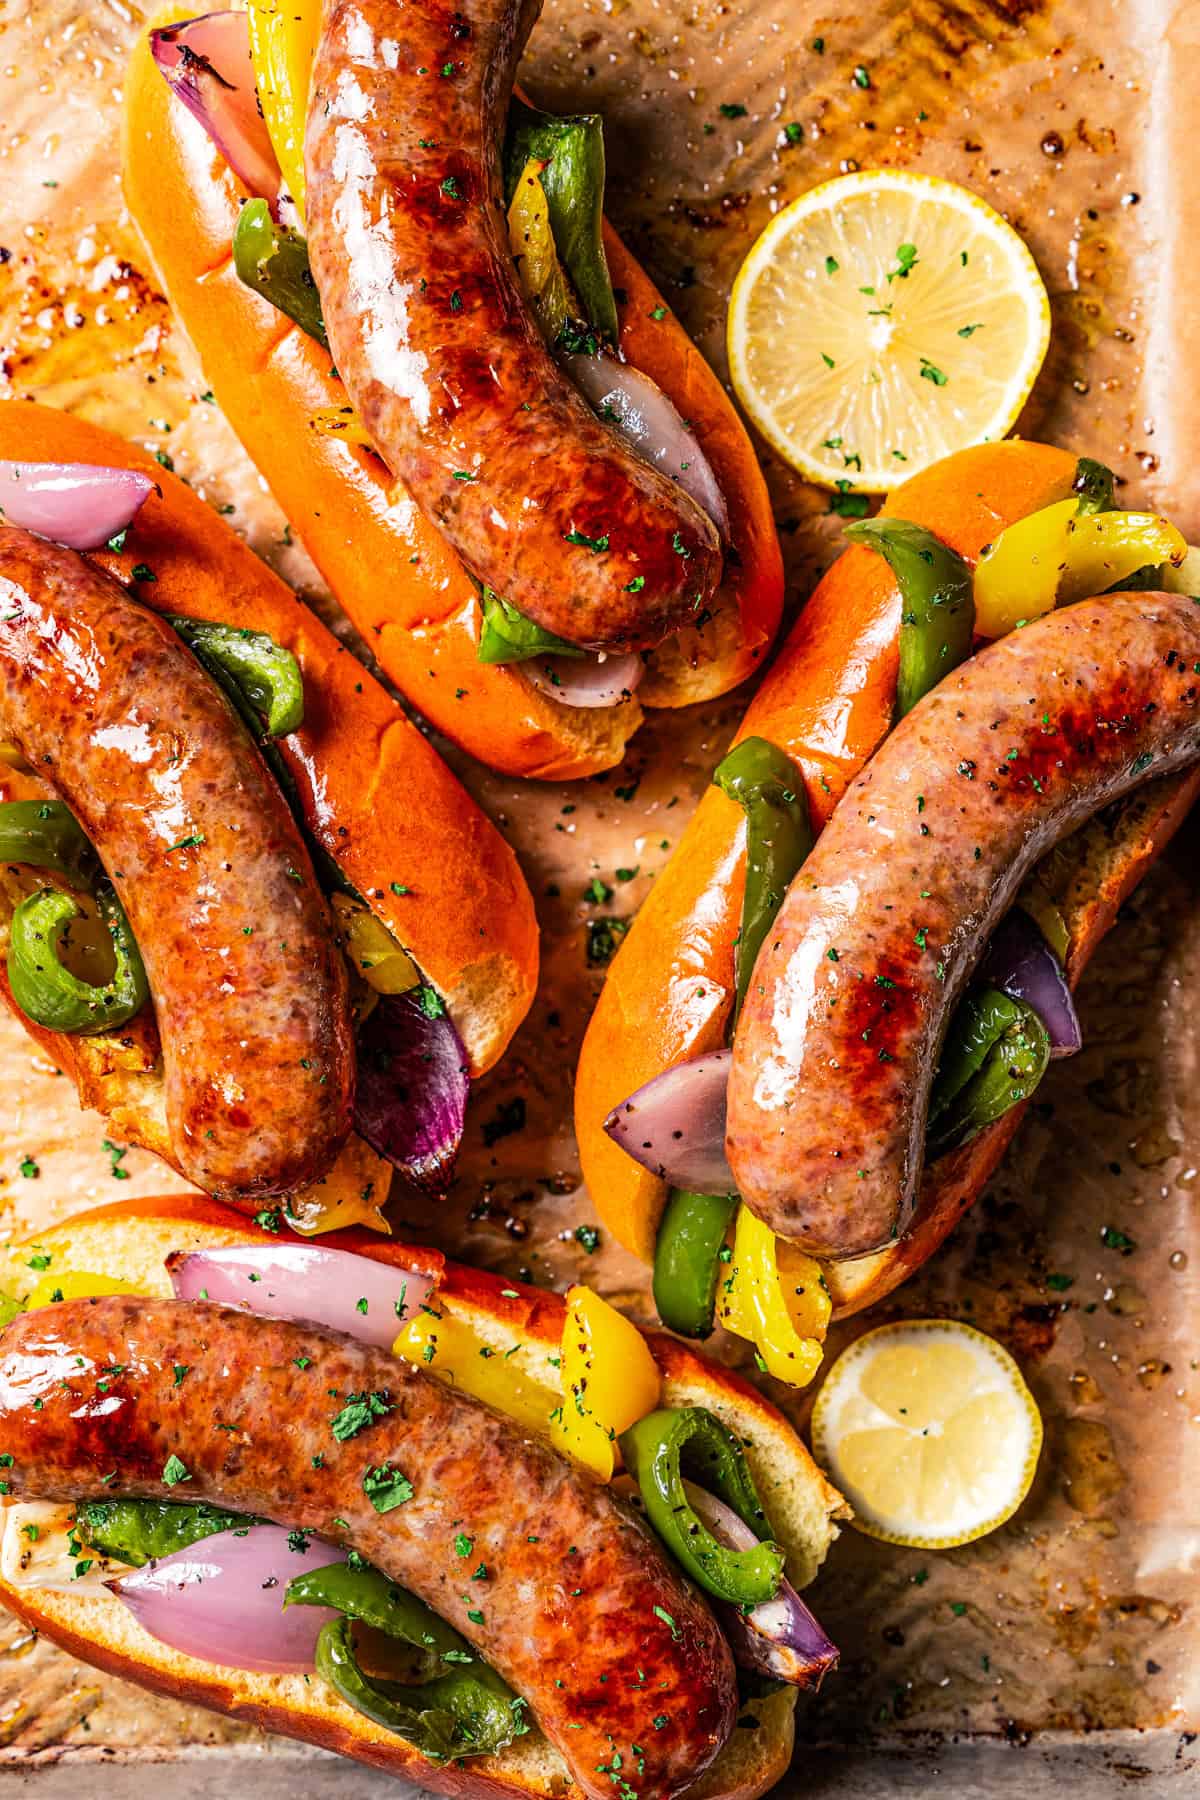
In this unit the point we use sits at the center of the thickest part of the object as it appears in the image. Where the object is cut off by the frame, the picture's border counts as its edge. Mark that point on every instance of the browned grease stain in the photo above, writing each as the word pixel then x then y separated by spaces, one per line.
pixel 1091 1475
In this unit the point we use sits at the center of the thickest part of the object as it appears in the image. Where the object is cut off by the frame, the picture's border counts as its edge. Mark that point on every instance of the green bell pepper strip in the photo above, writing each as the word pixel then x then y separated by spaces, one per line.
pixel 573 181
pixel 46 834
pixel 366 1595
pixel 996 1052
pixel 265 675
pixel 141 1531
pixel 273 260
pixel 655 1451
pixel 1094 485
pixel 937 616
pixel 47 992
pixel 508 636
pixel 768 787
pixel 687 1260
pixel 449 1717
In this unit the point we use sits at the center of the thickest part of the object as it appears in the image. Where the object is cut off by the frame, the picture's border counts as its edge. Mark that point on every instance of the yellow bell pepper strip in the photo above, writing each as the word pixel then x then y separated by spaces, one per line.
pixel 283 43
pixel 371 948
pixel 76 1284
pixel 448 1348
pixel 1058 555
pixel 531 241
pixel 610 1381
pixel 776 1296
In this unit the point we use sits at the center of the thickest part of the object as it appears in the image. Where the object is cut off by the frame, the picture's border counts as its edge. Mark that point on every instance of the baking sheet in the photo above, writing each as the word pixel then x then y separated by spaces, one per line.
pixel 1073 117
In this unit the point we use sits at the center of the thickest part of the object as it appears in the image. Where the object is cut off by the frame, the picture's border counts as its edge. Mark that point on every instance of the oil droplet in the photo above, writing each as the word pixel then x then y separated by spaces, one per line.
pixel 1178 1260
pixel 1151 1372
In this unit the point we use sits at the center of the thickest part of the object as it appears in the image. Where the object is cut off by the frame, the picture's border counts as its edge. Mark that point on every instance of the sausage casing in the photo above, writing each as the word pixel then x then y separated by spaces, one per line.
pixel 249 988
pixel 440 354
pixel 840 1035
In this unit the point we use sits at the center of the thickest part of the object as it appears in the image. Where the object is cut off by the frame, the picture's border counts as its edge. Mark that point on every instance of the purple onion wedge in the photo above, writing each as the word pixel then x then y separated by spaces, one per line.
pixel 334 1289
pixel 780 1638
pixel 587 681
pixel 222 1599
pixel 1021 963
pixel 675 1125
pixel 413 1081
pixel 81 505
pixel 207 64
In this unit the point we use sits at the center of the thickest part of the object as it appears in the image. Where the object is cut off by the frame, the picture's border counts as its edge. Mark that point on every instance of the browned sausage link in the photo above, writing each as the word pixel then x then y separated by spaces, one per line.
pixel 576 1592
pixel 852 992
pixel 249 989
pixel 442 357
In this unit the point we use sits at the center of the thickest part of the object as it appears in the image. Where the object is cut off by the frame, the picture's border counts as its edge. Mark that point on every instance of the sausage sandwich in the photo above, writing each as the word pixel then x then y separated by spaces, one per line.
pixel 505 1542
pixel 993 740
pixel 519 478
pixel 224 850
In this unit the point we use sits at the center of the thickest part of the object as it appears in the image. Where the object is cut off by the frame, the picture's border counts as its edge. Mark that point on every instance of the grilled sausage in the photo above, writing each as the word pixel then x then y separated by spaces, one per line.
pixel 576 1591
pixel 441 356
pixel 249 988
pixel 842 1028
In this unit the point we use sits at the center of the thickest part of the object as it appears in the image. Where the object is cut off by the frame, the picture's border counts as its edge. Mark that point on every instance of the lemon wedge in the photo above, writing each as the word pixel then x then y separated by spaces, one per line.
pixel 930 1431
pixel 882 321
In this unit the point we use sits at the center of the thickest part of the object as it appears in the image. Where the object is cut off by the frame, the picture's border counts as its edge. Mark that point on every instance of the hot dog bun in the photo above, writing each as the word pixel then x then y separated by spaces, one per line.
pixel 827 702
pixel 396 577
pixel 374 793
pixel 130 1241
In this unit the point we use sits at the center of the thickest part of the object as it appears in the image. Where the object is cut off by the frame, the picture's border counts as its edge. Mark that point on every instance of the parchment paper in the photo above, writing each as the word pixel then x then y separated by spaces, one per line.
pixel 1072 117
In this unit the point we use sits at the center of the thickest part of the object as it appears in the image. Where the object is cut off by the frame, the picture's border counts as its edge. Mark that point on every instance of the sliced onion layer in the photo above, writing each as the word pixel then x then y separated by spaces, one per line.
pixel 365 1299
pixel 413 1081
pixel 222 1599
pixel 1021 963
pixel 643 417
pixel 585 680
pixel 81 505
pixel 675 1125
pixel 208 66
pixel 780 1638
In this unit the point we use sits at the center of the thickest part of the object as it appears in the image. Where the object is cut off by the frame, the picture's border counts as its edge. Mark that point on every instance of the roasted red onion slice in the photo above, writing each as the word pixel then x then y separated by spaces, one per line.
pixel 206 61
pixel 780 1638
pixel 413 1081
pixel 81 505
pixel 1021 963
pixel 367 1300
pixel 222 1599
pixel 585 680
pixel 675 1125
pixel 643 417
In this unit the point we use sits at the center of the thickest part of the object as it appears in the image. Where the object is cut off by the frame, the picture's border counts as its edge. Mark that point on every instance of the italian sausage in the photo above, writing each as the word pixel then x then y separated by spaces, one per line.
pixel 839 1039
pixel 621 1662
pixel 249 988
pixel 440 354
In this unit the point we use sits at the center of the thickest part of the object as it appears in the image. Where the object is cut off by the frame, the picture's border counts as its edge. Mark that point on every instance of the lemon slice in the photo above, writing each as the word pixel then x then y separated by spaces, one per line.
pixel 882 321
pixel 930 1431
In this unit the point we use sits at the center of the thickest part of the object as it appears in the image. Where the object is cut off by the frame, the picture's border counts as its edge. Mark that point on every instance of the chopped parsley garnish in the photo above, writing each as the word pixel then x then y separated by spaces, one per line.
pixel 359 1411
pixel 386 1488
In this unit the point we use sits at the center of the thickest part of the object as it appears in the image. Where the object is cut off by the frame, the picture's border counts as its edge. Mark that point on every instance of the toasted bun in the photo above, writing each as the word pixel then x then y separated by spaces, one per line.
pixel 827 701
pixel 131 1240
pixel 373 791
pixel 389 567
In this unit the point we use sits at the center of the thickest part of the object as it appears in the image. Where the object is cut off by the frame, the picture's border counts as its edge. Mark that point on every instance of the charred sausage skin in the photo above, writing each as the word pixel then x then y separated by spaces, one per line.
pixel 574 1589
pixel 840 1036
pixel 249 989
pixel 441 356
